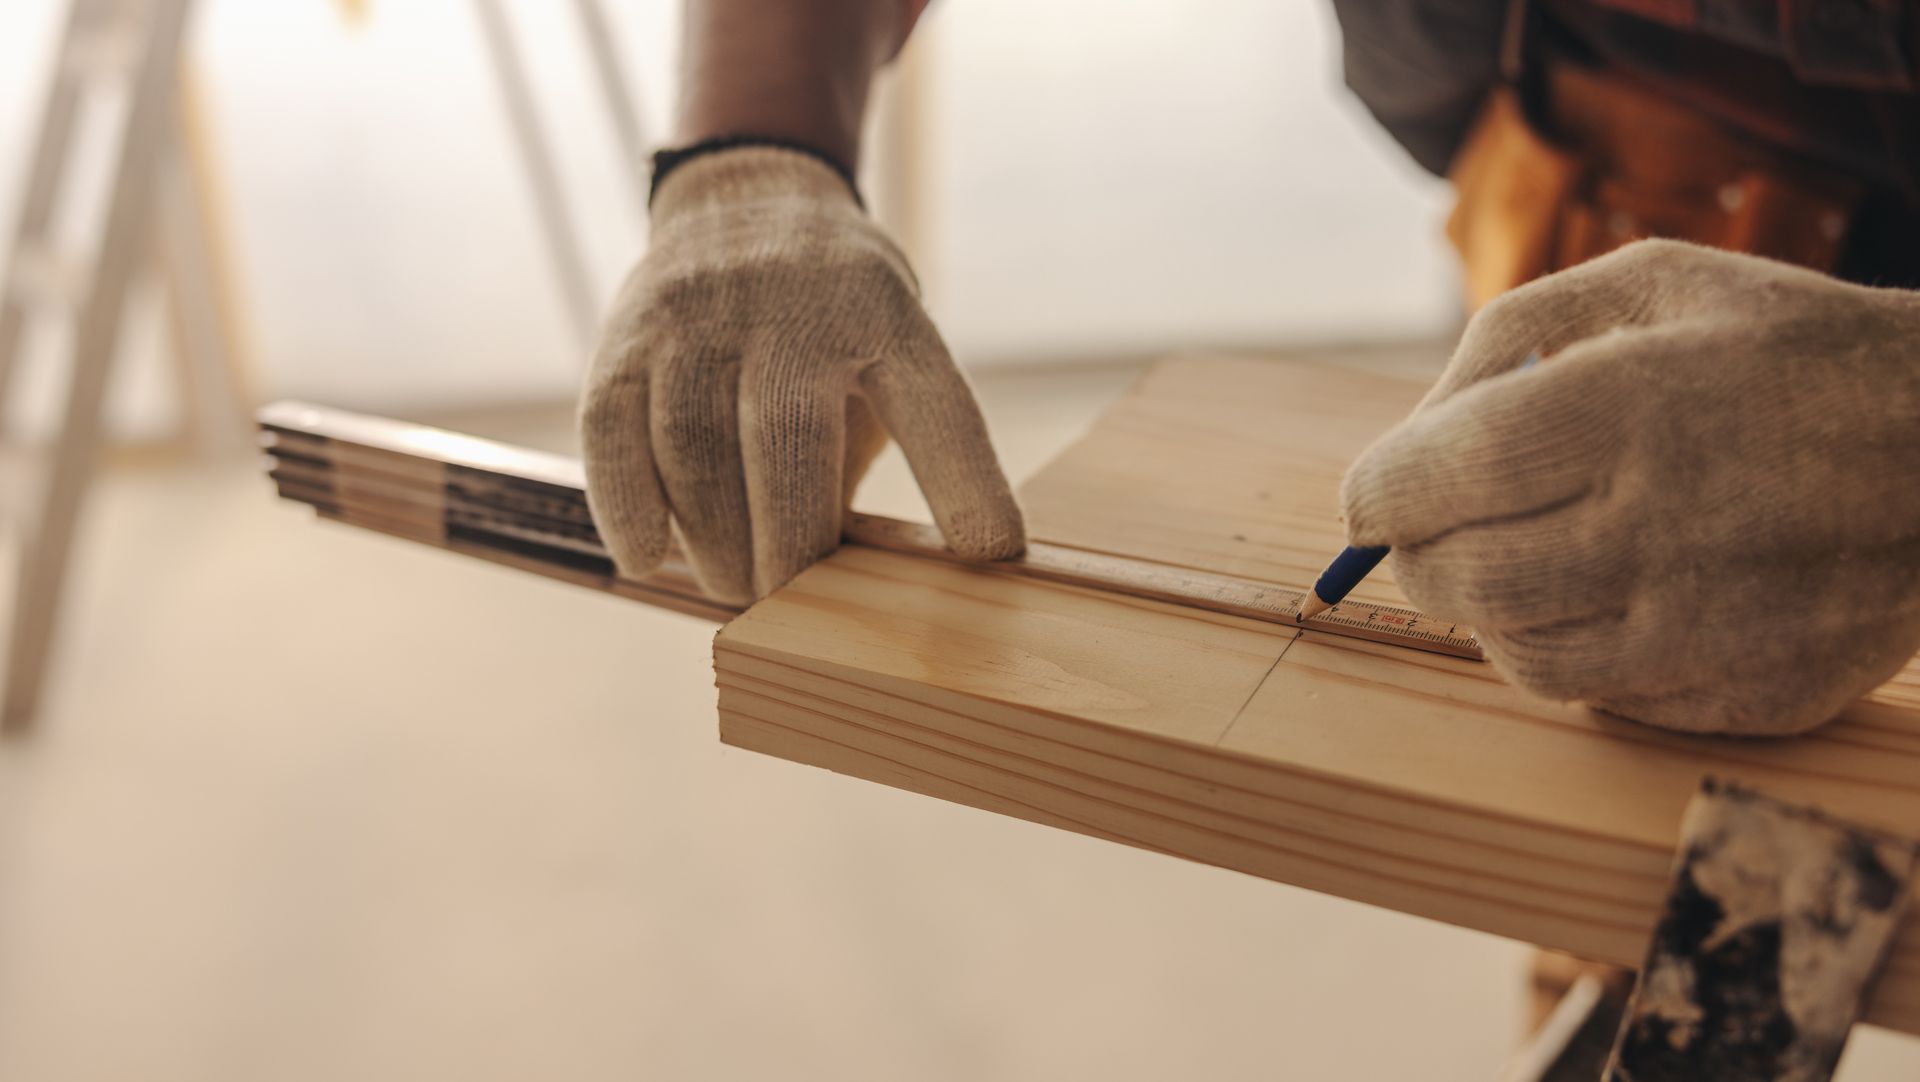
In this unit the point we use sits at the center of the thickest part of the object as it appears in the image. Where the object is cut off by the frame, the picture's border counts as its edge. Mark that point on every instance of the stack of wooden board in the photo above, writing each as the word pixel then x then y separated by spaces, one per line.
pixel 1369 770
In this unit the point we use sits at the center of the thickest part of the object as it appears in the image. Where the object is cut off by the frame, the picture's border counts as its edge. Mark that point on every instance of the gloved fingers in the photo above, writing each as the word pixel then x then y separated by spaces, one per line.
pixel 1519 445
pixel 623 488
pixel 1567 564
pixel 793 416
pixel 926 404
pixel 1551 314
pixel 1679 280
pixel 696 443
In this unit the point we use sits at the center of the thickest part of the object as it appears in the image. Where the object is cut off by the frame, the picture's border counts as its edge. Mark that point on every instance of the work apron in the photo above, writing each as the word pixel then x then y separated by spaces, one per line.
pixel 1568 160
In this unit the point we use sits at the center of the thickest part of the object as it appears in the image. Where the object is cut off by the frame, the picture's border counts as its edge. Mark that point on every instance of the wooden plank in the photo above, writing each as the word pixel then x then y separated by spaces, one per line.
pixel 1412 781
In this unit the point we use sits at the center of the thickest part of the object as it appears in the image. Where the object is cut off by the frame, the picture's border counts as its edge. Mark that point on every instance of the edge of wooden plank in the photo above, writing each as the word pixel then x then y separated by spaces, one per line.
pixel 954 760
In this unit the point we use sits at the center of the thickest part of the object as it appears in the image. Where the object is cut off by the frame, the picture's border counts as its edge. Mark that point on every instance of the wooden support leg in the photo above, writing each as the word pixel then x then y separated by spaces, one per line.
pixel 1777 921
pixel 617 89
pixel 569 264
pixel 202 302
pixel 1572 1037
pixel 1554 975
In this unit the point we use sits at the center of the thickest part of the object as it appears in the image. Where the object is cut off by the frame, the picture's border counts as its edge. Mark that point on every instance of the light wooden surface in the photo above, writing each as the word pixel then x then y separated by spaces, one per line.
pixel 1415 782
pixel 1229 465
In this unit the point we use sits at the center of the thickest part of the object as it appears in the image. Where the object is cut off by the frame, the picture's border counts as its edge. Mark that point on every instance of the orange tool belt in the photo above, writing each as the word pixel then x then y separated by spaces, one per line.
pixel 1610 162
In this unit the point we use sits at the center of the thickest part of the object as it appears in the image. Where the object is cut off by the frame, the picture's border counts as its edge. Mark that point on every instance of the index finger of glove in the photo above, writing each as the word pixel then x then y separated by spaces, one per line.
pixel 1551 314
pixel 926 404
pixel 623 488
pixel 1515 446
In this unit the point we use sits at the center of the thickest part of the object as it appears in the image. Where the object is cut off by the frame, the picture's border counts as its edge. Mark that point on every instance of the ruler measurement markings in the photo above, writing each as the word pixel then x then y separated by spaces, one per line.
pixel 483 494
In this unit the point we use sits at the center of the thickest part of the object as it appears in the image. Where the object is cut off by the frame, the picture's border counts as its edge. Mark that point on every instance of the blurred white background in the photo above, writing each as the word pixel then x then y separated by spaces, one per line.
pixel 1100 181
pixel 310 804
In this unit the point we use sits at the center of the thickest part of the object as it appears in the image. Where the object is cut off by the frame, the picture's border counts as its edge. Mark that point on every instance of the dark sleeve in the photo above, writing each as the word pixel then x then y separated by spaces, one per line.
pixel 1422 67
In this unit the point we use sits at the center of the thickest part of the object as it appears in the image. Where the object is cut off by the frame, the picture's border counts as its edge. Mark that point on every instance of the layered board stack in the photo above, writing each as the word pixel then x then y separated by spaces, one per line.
pixel 1377 771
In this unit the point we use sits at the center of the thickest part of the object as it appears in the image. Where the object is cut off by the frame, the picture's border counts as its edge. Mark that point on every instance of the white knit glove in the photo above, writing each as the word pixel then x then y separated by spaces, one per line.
pixel 1702 510
pixel 731 385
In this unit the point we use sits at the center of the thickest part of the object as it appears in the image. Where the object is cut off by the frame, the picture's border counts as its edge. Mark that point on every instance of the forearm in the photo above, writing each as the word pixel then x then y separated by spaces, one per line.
pixel 791 69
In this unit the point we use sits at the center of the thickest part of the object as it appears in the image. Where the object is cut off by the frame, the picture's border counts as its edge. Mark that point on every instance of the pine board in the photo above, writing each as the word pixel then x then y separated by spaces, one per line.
pixel 1416 782
pixel 1226 465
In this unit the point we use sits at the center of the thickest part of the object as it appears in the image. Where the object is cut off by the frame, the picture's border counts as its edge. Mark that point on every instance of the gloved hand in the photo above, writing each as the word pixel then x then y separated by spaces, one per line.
pixel 1701 510
pixel 736 383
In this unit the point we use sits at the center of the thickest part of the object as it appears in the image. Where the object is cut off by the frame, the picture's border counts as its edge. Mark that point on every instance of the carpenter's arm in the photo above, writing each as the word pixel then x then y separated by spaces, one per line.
pixel 796 69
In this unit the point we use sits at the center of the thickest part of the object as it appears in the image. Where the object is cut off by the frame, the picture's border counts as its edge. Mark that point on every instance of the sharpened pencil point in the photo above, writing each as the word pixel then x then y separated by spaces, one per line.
pixel 1310 607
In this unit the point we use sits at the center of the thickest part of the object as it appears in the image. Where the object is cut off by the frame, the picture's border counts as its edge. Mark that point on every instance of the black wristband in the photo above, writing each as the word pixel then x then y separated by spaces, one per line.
pixel 666 161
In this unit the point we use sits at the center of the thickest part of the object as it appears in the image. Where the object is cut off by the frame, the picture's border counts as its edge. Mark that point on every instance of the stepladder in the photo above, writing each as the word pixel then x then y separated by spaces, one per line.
pixel 162 214
pixel 71 269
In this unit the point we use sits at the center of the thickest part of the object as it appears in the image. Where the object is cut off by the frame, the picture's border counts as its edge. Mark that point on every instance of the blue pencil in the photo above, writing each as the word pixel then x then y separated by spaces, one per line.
pixel 1353 564
pixel 1340 577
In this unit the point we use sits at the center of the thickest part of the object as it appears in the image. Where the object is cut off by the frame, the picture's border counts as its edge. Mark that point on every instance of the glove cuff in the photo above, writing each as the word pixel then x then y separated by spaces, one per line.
pixel 670 161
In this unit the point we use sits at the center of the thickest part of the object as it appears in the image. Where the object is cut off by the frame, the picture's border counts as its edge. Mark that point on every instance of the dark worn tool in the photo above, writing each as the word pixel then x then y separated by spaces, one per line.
pixel 1778 918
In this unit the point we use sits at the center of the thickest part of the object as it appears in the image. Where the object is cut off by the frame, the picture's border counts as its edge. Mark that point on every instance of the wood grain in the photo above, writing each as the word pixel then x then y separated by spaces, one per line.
pixel 1412 781
pixel 1228 465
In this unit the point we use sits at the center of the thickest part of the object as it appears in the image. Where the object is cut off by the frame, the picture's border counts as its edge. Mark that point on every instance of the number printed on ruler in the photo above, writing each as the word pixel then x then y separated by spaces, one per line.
pixel 1401 623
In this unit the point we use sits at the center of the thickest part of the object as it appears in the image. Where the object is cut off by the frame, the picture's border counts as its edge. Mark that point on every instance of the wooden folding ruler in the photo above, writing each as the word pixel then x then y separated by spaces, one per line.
pixel 528 509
